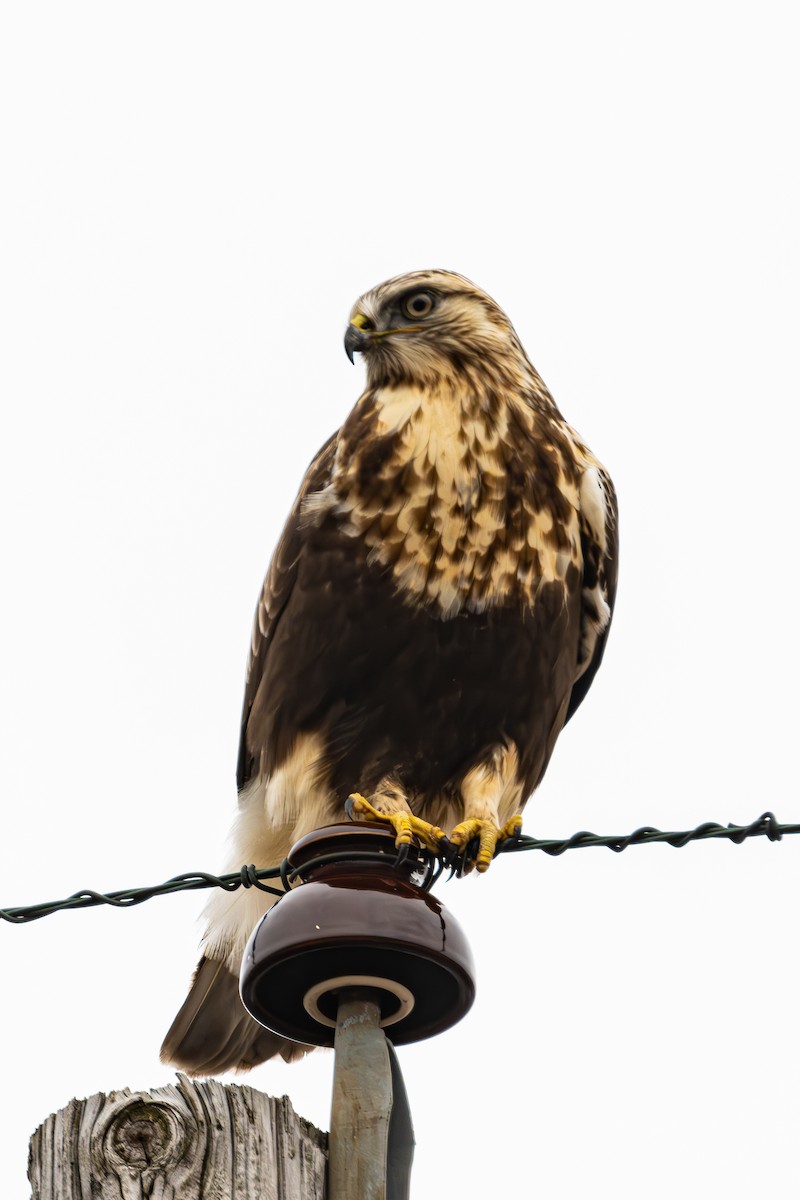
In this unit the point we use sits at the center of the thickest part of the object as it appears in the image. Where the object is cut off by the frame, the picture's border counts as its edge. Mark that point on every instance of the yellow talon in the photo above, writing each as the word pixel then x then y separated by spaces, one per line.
pixel 488 834
pixel 512 828
pixel 405 825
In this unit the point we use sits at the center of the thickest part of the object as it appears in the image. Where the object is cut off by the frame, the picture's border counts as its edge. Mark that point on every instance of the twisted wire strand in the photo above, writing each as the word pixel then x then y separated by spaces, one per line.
pixel 128 898
pixel 766 825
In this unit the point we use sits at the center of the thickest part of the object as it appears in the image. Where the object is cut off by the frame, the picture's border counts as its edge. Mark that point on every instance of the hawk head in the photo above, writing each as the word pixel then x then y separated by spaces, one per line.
pixel 428 325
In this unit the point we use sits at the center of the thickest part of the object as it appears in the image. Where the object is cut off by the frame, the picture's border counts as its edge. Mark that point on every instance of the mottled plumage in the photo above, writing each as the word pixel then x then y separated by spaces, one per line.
pixel 435 610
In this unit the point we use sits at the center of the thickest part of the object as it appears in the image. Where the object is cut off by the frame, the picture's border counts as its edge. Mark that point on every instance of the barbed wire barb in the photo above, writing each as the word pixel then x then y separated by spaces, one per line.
pixel 250 876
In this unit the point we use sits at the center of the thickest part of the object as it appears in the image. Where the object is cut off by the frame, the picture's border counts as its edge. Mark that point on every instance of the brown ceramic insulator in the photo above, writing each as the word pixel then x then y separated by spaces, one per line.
pixel 357 922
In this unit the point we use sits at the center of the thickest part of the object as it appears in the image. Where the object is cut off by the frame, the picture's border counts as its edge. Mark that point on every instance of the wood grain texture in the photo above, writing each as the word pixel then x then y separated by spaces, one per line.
pixel 190 1141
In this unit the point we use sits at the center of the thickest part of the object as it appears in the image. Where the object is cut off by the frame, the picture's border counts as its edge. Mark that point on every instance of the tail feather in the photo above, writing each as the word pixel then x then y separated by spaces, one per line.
pixel 213 1032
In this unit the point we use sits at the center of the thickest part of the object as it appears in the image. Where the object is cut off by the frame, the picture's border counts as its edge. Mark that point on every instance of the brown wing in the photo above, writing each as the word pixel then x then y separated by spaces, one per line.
pixel 600 566
pixel 277 589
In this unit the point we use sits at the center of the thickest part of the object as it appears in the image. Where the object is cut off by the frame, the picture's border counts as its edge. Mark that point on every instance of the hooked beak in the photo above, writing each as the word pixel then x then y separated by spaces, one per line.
pixel 357 338
pixel 361 334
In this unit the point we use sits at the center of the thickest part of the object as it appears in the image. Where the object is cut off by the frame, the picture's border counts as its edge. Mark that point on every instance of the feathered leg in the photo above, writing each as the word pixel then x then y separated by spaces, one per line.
pixel 490 791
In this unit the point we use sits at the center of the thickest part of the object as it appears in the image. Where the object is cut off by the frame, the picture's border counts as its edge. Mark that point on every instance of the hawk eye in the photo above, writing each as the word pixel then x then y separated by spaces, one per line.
pixel 418 305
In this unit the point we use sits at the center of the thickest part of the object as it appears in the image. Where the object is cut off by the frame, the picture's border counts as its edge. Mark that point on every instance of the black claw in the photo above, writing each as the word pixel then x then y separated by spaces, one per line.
pixel 349 805
pixel 447 851
pixel 508 843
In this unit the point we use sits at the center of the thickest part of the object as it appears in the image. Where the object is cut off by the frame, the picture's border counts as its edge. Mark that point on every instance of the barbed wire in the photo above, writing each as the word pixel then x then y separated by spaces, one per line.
pixel 766 825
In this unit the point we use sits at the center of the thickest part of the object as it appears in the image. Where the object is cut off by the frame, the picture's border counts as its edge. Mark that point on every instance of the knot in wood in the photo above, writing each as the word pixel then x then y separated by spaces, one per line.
pixel 144 1135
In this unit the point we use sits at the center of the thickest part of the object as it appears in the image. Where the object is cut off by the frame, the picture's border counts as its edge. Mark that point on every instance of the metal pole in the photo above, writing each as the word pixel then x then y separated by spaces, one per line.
pixel 362 1101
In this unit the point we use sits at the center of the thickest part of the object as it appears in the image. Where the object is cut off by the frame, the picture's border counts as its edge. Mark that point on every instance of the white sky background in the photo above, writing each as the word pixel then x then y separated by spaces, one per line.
pixel 193 197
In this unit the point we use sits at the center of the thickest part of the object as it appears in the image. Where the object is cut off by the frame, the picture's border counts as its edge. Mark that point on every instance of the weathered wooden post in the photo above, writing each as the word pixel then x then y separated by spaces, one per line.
pixel 196 1141
pixel 360 947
